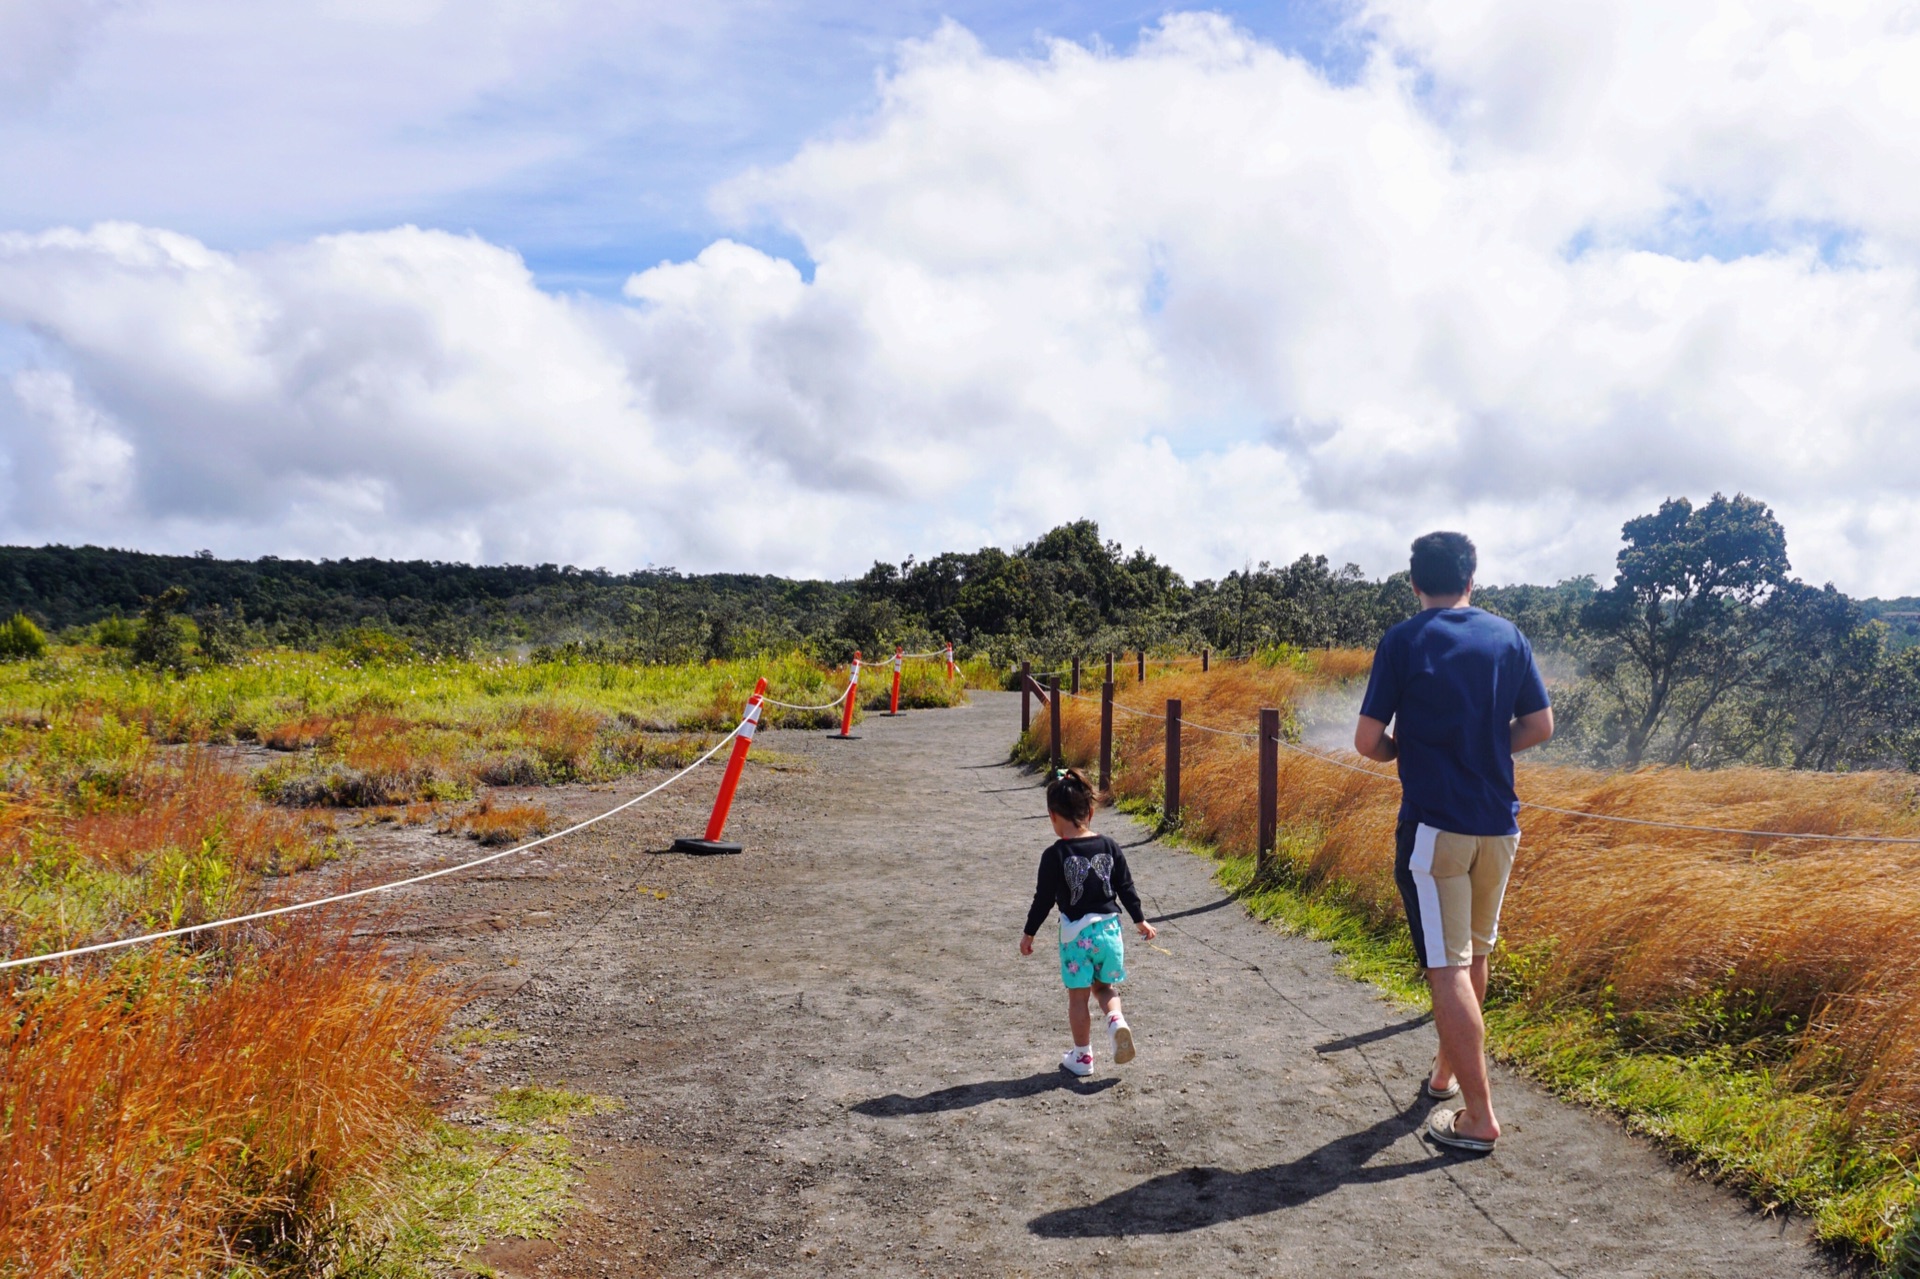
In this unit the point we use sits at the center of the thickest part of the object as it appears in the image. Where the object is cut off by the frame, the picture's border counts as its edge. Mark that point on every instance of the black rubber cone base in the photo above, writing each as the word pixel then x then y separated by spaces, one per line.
pixel 843 737
pixel 703 847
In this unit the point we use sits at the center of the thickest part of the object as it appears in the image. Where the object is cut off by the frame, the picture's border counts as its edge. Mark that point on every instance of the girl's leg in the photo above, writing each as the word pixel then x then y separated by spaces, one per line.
pixel 1078 1020
pixel 1118 1032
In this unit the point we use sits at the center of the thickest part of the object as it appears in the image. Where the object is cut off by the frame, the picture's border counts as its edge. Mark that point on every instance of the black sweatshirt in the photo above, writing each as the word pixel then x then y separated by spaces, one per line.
pixel 1086 876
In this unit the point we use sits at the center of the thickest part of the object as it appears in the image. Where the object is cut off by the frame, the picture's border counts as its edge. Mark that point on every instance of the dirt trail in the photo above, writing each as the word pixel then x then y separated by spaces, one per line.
pixel 834 1062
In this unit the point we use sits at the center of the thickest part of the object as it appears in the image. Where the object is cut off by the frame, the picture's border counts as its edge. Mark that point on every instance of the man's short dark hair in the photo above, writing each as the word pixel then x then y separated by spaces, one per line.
pixel 1443 563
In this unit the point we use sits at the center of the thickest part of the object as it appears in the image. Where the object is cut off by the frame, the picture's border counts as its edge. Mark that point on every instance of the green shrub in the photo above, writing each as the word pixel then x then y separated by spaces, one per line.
pixel 369 646
pixel 115 632
pixel 20 638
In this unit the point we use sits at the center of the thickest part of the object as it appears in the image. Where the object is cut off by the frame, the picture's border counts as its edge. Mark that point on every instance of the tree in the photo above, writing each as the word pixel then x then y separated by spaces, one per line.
pixel 164 639
pixel 1679 630
pixel 1820 704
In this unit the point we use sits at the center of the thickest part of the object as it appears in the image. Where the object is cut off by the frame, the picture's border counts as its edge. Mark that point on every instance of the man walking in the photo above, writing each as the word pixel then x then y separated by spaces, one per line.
pixel 1462 693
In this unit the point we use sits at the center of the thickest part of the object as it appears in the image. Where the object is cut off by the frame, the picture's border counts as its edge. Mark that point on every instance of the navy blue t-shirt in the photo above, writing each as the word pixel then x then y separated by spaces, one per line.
pixel 1454 679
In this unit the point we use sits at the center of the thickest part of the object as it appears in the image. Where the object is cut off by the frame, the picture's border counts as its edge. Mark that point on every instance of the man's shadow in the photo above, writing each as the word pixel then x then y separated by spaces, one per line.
pixel 962 1096
pixel 1195 1198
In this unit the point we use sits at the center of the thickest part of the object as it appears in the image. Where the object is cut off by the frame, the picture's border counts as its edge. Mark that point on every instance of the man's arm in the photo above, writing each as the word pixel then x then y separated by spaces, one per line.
pixel 1530 730
pixel 1371 740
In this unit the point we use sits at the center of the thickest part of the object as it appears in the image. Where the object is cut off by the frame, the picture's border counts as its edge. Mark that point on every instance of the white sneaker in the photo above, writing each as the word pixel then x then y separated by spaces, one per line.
pixel 1077 1061
pixel 1120 1035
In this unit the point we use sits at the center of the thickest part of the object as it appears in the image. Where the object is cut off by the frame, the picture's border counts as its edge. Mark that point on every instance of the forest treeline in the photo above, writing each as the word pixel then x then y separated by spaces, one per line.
pixel 1703 650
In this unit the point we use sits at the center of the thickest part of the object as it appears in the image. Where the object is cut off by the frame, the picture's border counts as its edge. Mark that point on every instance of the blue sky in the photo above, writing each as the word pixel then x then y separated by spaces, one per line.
pixel 486 280
pixel 644 138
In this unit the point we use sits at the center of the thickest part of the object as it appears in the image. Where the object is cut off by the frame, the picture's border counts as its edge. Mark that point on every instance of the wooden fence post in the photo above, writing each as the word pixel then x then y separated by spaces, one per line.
pixel 1026 696
pixel 1109 668
pixel 1106 735
pixel 1076 677
pixel 1269 788
pixel 1170 806
pixel 1140 671
pixel 1053 714
pixel 1206 660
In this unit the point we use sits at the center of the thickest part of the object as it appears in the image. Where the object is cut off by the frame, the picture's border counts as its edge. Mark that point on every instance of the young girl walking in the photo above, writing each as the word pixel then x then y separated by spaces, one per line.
pixel 1086 876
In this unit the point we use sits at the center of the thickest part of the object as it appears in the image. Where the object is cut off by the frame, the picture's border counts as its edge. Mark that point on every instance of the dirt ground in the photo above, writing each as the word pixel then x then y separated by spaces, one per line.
pixel 833 1061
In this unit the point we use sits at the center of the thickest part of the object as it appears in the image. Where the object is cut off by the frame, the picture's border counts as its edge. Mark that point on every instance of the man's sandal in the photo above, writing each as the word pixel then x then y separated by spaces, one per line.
pixel 1430 1093
pixel 1440 1132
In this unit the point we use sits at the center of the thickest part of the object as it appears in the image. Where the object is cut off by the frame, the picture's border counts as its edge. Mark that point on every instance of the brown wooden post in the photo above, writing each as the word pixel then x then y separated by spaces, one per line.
pixel 1170 807
pixel 1026 696
pixel 1269 788
pixel 1076 677
pixel 1053 714
pixel 1106 736
pixel 1206 660
pixel 1109 668
pixel 1140 659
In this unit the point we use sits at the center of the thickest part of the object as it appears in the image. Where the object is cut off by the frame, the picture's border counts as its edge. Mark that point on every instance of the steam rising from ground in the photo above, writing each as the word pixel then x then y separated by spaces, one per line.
pixel 1326 716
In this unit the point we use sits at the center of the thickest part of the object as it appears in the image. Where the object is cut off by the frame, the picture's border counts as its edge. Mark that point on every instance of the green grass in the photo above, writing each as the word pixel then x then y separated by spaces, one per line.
pixel 241 701
pixel 511 1176
pixel 1733 1119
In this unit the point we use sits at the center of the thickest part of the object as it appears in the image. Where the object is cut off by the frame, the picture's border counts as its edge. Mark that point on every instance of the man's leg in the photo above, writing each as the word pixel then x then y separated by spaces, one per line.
pixel 1443 1072
pixel 1456 1015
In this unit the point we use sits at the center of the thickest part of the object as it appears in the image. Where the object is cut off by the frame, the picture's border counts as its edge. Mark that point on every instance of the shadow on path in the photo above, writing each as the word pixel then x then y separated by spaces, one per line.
pixel 1195 1198
pixel 1197 910
pixel 961 1096
pixel 1373 1036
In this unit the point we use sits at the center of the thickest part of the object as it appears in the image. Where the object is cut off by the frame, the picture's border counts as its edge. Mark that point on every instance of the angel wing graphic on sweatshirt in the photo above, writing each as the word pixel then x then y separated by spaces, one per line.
pixel 1077 868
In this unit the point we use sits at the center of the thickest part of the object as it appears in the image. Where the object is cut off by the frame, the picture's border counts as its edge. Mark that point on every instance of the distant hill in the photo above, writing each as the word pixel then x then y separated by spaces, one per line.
pixel 1902 617
pixel 298 601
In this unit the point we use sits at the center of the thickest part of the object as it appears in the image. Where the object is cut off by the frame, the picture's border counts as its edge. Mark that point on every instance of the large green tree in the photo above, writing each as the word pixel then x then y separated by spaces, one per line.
pixel 1681 629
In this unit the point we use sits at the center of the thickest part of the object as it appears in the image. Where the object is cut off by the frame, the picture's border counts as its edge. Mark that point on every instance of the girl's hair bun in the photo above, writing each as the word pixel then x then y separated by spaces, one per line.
pixel 1070 795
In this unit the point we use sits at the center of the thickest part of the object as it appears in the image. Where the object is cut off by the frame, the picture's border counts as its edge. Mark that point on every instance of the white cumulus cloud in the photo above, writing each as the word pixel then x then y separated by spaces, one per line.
pixel 1528 272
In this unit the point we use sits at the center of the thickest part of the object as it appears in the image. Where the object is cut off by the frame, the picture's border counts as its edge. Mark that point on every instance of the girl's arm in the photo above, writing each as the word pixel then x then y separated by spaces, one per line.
pixel 1123 889
pixel 1045 892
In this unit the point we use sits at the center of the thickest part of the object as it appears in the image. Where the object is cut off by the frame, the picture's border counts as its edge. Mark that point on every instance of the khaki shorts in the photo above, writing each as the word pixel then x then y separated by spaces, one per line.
pixel 1452 886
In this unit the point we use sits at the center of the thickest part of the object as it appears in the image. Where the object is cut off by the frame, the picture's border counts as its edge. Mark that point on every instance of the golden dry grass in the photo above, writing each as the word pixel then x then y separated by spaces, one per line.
pixel 153 1121
pixel 497 825
pixel 1804 954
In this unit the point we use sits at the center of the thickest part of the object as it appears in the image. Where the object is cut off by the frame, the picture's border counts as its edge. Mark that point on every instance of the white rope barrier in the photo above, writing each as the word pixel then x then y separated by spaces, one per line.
pixel 1379 776
pixel 374 888
pixel 769 701
pixel 738 730
pixel 1725 830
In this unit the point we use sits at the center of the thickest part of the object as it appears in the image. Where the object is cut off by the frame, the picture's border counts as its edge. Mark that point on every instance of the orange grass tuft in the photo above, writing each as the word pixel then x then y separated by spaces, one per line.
pixel 298 734
pixel 1806 954
pixel 155 1122
pixel 507 824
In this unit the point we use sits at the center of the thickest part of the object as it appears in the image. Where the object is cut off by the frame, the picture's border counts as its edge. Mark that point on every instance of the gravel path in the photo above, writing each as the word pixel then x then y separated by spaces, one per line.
pixel 833 1061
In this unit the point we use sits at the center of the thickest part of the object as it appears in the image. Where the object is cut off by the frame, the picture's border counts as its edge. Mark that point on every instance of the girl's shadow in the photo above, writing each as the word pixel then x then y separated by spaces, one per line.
pixel 961 1096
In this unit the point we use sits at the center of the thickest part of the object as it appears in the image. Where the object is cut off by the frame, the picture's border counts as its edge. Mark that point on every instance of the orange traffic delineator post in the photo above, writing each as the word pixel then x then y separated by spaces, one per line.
pixel 729 782
pixel 846 716
pixel 893 701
